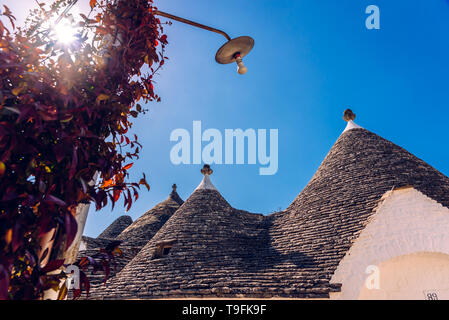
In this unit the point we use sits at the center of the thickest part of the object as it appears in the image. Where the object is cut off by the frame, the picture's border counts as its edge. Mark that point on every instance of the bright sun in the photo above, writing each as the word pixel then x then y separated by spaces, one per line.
pixel 65 32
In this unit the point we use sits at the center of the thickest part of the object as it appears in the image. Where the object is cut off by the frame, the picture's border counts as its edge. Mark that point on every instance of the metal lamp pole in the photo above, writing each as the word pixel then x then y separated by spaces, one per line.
pixel 232 51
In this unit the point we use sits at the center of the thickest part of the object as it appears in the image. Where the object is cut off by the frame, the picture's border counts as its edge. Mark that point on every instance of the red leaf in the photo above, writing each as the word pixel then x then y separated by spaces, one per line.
pixel 76 293
pixel 44 225
pixel 17 236
pixel 108 183
pixel 74 163
pixel 52 265
pixel 144 182
pixel 128 166
pixel 60 153
pixel 8 236
pixel 83 262
pixel 56 200
pixel 117 194
pixel 84 282
pixel 130 200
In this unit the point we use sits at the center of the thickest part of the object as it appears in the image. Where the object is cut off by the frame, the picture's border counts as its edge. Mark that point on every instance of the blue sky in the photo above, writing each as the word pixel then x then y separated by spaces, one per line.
pixel 311 60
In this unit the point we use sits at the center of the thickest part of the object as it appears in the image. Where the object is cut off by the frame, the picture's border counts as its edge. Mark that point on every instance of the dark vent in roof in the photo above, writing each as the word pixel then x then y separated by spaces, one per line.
pixel 163 248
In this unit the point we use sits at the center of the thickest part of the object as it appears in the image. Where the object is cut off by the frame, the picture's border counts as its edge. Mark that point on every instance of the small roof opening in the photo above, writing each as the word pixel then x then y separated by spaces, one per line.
pixel 166 250
pixel 163 248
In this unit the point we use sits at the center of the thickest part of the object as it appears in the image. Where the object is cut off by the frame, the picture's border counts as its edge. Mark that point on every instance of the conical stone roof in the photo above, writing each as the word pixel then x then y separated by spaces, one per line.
pixel 116 227
pixel 133 236
pixel 327 216
pixel 145 227
pixel 215 250
pixel 209 249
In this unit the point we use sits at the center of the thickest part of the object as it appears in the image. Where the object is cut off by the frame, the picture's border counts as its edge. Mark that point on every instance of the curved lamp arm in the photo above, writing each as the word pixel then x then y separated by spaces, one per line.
pixel 192 23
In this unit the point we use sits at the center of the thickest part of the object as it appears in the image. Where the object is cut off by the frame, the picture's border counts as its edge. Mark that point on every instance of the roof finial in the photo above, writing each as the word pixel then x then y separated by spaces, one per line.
pixel 174 195
pixel 207 170
pixel 206 183
pixel 348 115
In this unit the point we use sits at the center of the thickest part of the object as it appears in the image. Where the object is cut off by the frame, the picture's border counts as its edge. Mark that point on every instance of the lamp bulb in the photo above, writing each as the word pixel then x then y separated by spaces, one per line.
pixel 241 68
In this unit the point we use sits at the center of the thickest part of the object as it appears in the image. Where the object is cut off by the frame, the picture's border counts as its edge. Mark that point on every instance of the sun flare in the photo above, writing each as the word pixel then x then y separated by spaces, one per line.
pixel 65 33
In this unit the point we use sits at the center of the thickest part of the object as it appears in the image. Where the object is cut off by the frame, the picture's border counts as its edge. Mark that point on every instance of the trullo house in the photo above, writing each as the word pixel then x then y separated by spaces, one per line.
pixel 372 223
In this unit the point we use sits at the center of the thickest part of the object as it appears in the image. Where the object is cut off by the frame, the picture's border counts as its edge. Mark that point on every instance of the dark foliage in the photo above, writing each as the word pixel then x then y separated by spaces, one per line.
pixel 65 112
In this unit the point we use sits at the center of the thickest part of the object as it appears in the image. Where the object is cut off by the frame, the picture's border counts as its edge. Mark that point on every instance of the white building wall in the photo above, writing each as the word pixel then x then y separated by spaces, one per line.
pixel 417 276
pixel 399 241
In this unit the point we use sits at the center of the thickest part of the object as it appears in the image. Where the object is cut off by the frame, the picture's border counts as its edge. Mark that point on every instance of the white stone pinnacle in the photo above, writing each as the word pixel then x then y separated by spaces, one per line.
pixel 206 184
pixel 351 125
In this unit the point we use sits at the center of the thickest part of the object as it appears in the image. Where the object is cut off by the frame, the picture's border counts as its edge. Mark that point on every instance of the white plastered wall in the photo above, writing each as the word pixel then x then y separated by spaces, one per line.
pixel 407 240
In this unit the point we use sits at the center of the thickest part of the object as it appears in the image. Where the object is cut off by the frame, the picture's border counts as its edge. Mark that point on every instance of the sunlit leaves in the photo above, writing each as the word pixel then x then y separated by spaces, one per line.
pixel 65 115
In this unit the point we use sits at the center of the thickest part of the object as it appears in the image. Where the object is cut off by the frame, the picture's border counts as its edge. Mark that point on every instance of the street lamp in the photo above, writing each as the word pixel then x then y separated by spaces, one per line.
pixel 232 51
